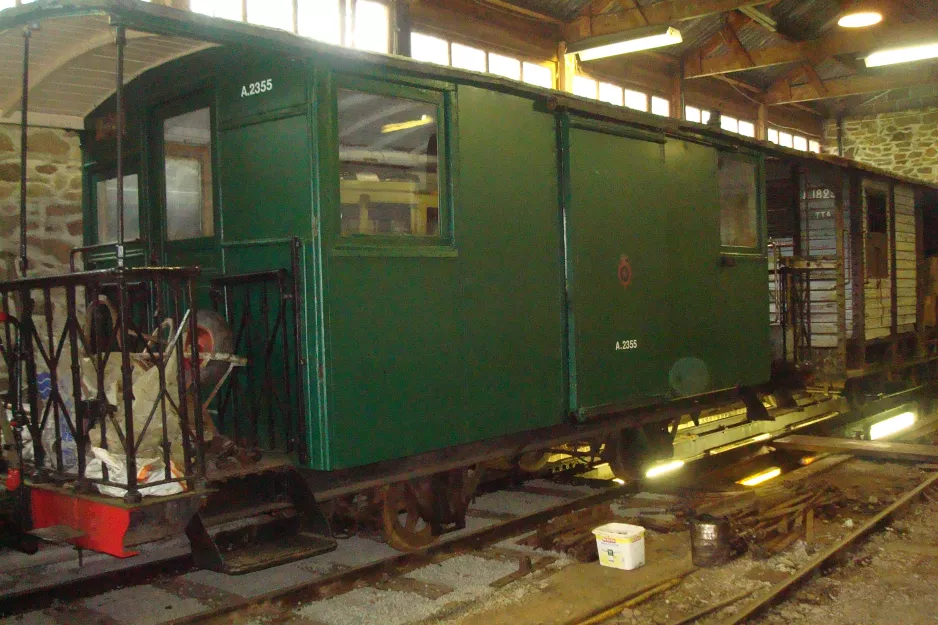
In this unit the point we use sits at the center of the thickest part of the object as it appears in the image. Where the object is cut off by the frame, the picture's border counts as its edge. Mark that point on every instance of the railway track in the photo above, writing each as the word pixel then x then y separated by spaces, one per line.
pixel 185 596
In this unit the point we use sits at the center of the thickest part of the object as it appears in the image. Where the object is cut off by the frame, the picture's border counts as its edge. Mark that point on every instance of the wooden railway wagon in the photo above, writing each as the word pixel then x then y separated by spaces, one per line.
pixel 423 270
pixel 849 280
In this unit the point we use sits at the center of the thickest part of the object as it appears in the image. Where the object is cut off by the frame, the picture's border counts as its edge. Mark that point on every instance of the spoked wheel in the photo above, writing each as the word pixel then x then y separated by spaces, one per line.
pixel 402 523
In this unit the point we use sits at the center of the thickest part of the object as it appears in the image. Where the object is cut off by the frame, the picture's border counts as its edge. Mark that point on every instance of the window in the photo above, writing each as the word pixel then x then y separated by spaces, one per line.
pixel 584 87
pixel 694 114
pixel 467 57
pixel 538 75
pixel 273 13
pixel 877 234
pixel 738 203
pixel 636 100
pixel 388 165
pixel 106 199
pixel 660 106
pixel 611 93
pixel 228 9
pixel 728 123
pixel 772 135
pixel 320 20
pixel 800 143
pixel 747 129
pixel 785 139
pixel 372 30
pixel 814 146
pixel 429 49
pixel 504 66
pixel 187 150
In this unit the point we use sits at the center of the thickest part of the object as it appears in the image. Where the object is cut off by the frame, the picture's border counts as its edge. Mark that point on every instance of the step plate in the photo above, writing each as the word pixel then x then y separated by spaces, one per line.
pixel 266 554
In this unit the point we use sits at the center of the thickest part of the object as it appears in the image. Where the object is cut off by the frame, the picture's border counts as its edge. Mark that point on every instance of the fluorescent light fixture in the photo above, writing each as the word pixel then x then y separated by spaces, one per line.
pixel 613 45
pixel 902 55
pixel 892 425
pixel 414 123
pixel 860 19
pixel 619 481
pixel 762 476
pixel 664 468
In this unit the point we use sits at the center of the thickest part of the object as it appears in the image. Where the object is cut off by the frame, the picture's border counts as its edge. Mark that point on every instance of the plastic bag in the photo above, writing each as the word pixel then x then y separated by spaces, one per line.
pixel 149 471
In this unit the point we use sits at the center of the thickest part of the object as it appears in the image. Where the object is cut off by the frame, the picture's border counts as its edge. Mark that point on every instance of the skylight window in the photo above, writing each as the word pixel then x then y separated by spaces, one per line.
pixel 467 57
pixel 504 66
pixel 636 100
pixel 535 74
pixel 429 49
pixel 584 87
pixel 611 93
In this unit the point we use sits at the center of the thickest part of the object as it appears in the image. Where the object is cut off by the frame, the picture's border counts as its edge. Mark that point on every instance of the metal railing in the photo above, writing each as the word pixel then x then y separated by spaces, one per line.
pixel 261 406
pixel 104 359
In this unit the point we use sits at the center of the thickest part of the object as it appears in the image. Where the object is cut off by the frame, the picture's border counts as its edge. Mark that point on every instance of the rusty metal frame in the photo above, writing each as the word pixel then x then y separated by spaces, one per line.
pixel 278 293
pixel 143 295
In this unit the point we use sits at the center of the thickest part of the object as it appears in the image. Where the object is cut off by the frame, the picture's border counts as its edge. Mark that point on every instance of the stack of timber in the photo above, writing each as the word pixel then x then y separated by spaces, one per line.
pixel 767 521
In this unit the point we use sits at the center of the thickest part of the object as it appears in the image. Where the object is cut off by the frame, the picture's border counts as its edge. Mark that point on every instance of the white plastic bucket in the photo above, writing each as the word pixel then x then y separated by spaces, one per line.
pixel 620 545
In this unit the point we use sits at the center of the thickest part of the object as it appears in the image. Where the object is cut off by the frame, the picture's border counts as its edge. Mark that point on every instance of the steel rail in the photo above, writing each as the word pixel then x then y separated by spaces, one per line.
pixel 762 603
pixel 373 572
pixel 39 598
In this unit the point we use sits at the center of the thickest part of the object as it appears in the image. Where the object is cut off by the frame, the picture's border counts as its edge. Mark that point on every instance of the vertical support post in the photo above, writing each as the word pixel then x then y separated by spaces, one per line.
pixel 839 234
pixel 197 417
pixel 24 150
pixel 401 26
pixel 857 271
pixel 677 94
pixel 303 443
pixel 921 276
pixel 119 124
pixel 893 266
pixel 127 383
pixel 762 124
pixel 566 68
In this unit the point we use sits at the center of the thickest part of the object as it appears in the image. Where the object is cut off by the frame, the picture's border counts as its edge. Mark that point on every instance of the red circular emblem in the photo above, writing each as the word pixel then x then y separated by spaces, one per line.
pixel 625 271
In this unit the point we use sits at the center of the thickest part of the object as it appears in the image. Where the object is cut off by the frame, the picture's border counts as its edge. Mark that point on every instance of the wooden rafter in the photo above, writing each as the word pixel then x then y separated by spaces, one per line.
pixel 840 42
pixel 784 92
pixel 665 12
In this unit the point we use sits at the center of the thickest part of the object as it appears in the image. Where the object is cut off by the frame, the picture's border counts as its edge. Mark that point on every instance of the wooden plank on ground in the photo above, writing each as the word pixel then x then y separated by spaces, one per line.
pixel 869 449
pixel 574 592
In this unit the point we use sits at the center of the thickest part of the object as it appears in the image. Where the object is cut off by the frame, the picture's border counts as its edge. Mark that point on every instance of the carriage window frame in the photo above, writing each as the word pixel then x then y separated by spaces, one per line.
pixel 437 93
pixel 105 174
pixel 758 249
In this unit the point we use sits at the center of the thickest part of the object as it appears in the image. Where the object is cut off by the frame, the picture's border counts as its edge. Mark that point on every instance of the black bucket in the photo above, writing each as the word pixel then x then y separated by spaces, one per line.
pixel 710 540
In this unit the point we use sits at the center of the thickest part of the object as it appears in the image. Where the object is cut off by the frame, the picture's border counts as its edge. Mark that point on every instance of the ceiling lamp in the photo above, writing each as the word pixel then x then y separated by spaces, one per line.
pixel 902 55
pixel 633 41
pixel 860 19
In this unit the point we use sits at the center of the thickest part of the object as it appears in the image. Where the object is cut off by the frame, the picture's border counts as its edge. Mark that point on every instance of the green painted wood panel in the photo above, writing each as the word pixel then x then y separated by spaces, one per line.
pixel 426 353
pixel 266 192
pixel 684 324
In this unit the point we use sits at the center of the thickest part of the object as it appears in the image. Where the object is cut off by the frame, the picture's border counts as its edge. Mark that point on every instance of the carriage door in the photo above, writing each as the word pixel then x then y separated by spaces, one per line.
pixel 617 213
pixel 187 225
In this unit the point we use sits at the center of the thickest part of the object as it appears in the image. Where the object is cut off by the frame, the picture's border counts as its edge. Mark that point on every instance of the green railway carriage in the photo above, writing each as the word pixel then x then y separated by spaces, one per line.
pixel 475 257
pixel 475 260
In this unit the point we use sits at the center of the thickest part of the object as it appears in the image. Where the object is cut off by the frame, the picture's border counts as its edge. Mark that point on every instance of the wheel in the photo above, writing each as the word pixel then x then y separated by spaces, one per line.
pixel 214 336
pixel 402 524
pixel 629 452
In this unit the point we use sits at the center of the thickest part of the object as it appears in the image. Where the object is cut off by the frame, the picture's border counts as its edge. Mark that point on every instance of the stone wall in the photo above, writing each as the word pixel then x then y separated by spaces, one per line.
pixel 54 220
pixel 905 142
pixel 54 223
